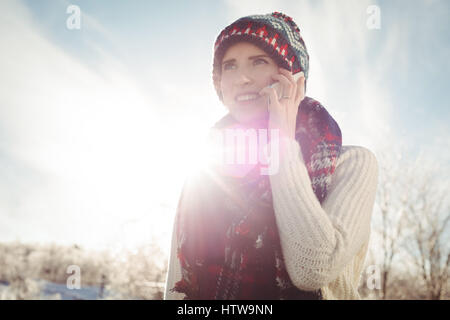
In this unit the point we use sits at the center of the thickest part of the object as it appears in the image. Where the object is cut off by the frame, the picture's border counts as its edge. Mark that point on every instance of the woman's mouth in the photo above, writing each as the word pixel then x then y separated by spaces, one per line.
pixel 247 97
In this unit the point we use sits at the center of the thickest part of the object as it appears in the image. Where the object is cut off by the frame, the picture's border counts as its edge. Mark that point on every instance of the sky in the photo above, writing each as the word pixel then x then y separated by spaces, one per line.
pixel 99 126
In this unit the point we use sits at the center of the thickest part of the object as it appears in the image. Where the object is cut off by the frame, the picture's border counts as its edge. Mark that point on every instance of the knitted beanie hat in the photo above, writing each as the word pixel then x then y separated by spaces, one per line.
pixel 275 33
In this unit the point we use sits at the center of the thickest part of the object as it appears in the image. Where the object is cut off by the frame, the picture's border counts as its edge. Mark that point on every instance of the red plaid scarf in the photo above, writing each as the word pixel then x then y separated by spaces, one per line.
pixel 228 241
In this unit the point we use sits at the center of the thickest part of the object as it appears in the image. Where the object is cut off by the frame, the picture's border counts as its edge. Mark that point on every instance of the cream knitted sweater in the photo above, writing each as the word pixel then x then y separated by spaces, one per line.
pixel 323 246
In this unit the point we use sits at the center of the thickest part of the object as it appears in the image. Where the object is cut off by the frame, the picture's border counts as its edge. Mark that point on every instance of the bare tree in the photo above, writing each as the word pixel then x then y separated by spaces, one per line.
pixel 410 243
pixel 428 215
pixel 389 219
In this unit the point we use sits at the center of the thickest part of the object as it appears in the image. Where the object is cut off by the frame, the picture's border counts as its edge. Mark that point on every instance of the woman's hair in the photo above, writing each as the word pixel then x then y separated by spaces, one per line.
pixel 275 33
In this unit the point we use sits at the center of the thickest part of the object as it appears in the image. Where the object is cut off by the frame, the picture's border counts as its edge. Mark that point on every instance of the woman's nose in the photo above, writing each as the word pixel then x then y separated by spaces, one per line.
pixel 243 79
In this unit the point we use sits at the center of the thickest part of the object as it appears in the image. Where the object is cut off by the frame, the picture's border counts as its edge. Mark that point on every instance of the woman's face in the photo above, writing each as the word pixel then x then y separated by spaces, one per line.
pixel 246 70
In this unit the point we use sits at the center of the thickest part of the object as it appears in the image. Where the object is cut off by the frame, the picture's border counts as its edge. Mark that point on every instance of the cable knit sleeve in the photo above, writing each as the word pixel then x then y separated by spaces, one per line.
pixel 319 241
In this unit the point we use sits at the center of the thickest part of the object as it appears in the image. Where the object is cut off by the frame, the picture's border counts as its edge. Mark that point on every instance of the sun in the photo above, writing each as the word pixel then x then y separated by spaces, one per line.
pixel 191 148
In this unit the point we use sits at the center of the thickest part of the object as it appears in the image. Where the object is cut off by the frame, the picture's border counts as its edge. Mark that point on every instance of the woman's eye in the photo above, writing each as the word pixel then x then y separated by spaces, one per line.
pixel 228 66
pixel 260 61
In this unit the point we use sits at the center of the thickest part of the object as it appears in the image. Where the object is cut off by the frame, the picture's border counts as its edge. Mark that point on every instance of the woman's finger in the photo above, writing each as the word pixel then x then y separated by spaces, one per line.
pixel 287 86
pixel 272 98
pixel 288 75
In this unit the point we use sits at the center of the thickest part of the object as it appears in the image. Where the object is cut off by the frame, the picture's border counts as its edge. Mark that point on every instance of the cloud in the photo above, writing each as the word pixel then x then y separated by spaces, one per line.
pixel 76 142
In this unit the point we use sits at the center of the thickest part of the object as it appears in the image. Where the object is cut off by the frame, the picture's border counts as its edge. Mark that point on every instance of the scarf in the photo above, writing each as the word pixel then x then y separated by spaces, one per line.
pixel 228 241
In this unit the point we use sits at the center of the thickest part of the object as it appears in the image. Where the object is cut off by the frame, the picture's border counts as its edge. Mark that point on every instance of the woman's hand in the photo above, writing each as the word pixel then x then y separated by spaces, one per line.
pixel 283 110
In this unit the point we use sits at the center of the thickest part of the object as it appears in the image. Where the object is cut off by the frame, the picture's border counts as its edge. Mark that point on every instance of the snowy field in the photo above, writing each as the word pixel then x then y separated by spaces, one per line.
pixel 45 290
pixel 35 272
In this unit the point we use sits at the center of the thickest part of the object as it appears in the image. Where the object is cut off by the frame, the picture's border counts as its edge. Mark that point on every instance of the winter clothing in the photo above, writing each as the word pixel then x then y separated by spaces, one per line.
pixel 228 243
pixel 324 245
pixel 276 34
pixel 301 233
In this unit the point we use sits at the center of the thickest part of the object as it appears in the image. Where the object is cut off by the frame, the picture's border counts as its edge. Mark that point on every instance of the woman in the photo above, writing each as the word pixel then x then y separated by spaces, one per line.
pixel 299 233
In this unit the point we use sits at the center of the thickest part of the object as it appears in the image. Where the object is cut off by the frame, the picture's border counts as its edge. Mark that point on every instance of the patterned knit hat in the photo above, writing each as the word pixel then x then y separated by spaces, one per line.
pixel 275 33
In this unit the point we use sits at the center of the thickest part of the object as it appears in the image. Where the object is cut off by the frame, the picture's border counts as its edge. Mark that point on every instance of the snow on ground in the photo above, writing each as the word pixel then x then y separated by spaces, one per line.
pixel 55 291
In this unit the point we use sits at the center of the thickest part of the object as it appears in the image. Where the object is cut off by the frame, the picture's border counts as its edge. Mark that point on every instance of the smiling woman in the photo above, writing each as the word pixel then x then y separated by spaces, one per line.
pixel 246 70
pixel 299 233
